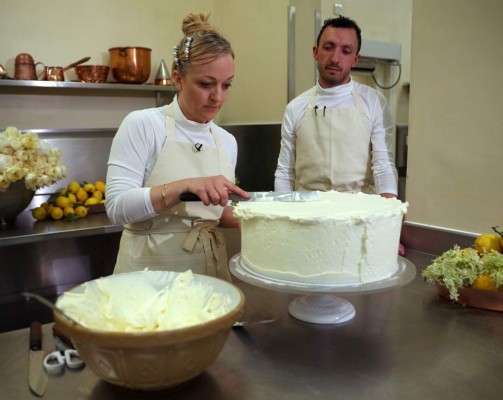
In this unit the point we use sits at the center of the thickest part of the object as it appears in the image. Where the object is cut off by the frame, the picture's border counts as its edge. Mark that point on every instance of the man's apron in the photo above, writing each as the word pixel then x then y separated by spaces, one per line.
pixel 185 236
pixel 333 149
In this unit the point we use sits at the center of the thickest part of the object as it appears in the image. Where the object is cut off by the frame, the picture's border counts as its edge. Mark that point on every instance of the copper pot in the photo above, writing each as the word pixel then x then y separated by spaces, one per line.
pixel 53 74
pixel 130 64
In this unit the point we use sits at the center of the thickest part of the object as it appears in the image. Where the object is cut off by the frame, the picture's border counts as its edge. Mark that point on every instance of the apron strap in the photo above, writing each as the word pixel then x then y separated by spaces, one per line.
pixel 312 97
pixel 214 248
pixel 358 100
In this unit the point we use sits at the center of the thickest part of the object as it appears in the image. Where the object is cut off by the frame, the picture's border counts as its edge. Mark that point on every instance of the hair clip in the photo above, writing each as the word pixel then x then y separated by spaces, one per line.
pixel 187 47
pixel 176 49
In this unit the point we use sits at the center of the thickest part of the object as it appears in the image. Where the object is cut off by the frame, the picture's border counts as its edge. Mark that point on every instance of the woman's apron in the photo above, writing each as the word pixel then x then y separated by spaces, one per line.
pixel 333 149
pixel 185 236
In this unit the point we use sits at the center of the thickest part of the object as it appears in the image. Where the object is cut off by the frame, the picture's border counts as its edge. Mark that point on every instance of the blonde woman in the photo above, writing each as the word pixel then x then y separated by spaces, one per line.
pixel 159 153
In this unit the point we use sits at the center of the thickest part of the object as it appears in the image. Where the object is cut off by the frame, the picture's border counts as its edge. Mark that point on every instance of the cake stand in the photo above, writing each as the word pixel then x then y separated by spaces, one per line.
pixel 318 303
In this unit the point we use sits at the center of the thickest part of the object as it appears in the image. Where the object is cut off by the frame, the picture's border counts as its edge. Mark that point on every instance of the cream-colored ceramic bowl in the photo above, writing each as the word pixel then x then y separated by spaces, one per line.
pixel 154 360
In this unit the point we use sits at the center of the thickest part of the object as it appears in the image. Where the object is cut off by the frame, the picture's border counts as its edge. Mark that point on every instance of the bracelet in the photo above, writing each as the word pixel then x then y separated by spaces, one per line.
pixel 163 193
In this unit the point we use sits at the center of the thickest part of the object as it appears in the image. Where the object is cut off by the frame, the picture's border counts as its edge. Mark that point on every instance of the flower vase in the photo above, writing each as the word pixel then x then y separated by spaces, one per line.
pixel 13 201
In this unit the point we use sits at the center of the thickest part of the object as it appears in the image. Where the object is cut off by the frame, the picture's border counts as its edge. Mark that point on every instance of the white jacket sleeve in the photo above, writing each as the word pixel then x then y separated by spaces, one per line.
pixel 129 162
pixel 284 177
pixel 383 165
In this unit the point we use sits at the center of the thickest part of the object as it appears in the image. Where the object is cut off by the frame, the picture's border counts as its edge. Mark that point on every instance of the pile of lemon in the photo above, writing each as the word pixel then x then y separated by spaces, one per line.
pixel 485 243
pixel 72 202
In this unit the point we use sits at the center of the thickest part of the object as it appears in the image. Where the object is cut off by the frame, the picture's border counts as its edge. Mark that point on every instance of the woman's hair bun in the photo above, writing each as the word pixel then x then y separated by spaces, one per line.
pixel 195 22
pixel 202 43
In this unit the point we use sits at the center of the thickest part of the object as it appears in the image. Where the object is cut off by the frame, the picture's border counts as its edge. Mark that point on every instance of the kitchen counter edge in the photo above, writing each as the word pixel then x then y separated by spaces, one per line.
pixel 27 230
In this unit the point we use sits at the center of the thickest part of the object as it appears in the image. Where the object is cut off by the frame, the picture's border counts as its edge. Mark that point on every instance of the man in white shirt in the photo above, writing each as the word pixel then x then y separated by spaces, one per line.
pixel 338 134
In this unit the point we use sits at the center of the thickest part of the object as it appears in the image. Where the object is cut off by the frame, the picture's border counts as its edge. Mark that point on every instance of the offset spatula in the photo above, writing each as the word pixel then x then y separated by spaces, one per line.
pixel 263 196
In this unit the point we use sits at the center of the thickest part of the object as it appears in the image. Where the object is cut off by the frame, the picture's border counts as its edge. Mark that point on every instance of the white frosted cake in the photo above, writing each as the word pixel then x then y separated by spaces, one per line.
pixel 342 238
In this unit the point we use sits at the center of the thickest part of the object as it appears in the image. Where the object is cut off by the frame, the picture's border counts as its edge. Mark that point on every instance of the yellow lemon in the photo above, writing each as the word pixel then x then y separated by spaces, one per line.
pixel 91 201
pixel 484 282
pixel 100 185
pixel 63 192
pixel 68 210
pixel 39 213
pixel 73 187
pixel 56 213
pixel 81 211
pixel 62 202
pixel 97 195
pixel 45 206
pixel 72 198
pixel 487 242
pixel 89 187
pixel 81 195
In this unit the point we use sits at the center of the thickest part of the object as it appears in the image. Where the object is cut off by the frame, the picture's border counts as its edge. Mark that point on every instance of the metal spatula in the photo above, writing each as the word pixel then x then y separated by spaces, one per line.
pixel 263 196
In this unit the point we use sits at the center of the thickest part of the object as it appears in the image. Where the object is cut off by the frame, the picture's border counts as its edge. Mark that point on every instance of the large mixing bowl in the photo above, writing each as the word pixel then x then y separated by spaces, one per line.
pixel 130 64
pixel 154 360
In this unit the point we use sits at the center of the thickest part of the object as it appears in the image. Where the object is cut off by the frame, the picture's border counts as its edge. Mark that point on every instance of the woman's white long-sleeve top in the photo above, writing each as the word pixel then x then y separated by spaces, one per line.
pixel 135 150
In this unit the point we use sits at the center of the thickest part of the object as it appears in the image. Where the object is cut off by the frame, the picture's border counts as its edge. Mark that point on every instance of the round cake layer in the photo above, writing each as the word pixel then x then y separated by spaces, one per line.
pixel 343 238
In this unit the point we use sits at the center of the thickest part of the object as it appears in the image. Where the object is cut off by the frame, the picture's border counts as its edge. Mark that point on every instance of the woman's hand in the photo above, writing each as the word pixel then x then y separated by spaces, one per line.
pixel 214 189
pixel 211 190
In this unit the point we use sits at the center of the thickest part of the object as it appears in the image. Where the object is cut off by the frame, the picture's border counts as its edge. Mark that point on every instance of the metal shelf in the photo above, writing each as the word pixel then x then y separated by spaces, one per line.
pixel 85 86
pixel 10 86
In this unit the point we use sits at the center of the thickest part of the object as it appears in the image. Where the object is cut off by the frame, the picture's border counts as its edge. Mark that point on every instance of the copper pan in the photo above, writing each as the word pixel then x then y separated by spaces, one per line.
pixel 57 73
pixel 73 65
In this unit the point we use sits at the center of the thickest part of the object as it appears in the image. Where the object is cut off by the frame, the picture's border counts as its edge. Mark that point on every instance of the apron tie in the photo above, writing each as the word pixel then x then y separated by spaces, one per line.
pixel 214 248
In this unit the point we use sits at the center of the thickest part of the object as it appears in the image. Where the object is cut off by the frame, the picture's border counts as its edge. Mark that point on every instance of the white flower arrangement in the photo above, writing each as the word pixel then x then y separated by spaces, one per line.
pixel 26 156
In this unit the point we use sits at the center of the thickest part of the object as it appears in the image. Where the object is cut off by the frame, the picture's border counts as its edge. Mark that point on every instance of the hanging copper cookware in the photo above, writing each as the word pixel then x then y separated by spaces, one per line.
pixel 130 64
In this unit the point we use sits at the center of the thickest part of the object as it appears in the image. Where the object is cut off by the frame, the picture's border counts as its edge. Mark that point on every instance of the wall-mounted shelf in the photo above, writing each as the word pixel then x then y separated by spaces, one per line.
pixel 85 86
pixel 9 86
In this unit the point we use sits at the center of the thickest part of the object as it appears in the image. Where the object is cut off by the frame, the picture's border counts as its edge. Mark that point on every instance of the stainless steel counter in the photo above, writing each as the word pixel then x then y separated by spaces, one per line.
pixel 26 230
pixel 406 343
